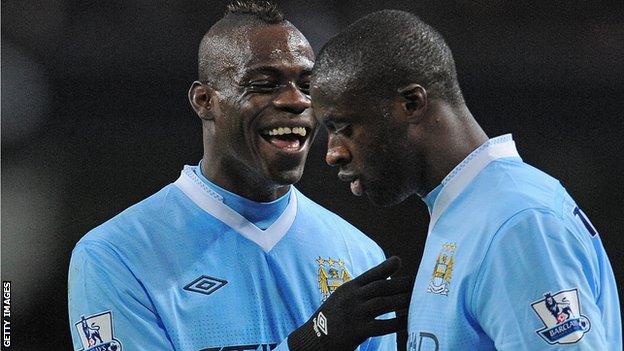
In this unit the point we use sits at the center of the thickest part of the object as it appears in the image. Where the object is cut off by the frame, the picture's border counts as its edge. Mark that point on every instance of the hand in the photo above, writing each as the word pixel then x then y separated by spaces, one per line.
pixel 347 318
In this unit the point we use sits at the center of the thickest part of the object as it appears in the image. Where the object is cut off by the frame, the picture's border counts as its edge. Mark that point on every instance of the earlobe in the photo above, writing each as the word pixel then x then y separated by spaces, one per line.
pixel 200 97
pixel 414 101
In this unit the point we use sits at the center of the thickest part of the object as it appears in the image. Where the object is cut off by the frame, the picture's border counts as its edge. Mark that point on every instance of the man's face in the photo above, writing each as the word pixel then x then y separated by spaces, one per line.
pixel 264 127
pixel 369 144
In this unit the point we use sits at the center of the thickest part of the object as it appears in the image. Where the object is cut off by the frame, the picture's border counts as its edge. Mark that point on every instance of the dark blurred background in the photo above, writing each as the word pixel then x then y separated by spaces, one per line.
pixel 95 118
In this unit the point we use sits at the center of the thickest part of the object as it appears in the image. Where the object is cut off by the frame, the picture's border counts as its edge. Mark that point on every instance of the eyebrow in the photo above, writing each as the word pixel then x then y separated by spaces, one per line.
pixel 273 71
pixel 264 70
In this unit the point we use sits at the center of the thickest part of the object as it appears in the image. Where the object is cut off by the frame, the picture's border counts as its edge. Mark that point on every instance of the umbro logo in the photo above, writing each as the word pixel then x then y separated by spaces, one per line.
pixel 205 285
pixel 320 324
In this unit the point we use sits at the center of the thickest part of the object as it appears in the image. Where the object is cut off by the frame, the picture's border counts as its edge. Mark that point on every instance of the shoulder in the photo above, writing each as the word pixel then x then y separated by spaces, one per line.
pixel 136 225
pixel 538 237
pixel 530 204
pixel 532 224
pixel 504 190
pixel 523 185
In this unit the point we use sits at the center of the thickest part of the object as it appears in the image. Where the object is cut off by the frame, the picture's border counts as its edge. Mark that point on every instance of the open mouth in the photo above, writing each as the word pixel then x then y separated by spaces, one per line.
pixel 356 187
pixel 286 138
pixel 354 181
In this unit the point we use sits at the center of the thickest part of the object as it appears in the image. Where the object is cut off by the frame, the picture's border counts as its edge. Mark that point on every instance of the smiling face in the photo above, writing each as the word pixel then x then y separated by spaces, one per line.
pixel 369 141
pixel 259 125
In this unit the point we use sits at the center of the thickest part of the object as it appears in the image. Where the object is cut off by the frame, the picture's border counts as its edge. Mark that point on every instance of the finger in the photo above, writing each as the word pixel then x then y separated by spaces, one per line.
pixel 402 312
pixel 380 305
pixel 388 287
pixel 381 271
pixel 386 326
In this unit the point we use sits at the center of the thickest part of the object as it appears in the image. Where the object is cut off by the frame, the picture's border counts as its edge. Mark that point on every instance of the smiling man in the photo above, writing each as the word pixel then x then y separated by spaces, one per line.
pixel 511 262
pixel 231 256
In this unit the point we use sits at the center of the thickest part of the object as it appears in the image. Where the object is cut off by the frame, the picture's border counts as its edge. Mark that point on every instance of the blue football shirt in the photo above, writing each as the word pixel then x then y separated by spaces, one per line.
pixel 183 271
pixel 511 263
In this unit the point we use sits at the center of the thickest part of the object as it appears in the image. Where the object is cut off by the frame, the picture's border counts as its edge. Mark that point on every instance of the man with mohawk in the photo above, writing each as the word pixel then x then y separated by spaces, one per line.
pixel 230 255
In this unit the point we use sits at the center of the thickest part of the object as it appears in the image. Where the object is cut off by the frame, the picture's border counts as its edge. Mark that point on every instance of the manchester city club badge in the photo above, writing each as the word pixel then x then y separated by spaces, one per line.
pixel 443 270
pixel 96 333
pixel 331 274
pixel 562 318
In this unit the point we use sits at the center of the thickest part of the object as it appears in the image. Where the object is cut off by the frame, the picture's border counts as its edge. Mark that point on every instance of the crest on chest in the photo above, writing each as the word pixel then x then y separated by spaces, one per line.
pixel 332 273
pixel 443 270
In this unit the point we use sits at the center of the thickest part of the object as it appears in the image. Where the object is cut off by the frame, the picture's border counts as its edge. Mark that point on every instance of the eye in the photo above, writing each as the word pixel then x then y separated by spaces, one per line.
pixel 263 86
pixel 305 87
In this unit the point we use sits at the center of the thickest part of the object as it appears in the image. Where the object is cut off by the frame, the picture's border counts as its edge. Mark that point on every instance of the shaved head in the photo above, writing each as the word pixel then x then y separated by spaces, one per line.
pixel 380 52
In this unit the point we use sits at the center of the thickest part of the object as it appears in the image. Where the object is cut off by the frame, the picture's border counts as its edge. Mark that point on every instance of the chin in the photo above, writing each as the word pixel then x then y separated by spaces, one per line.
pixel 287 177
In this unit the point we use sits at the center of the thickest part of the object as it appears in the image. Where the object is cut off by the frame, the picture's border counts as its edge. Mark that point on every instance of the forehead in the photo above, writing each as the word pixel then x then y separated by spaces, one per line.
pixel 280 46
pixel 338 100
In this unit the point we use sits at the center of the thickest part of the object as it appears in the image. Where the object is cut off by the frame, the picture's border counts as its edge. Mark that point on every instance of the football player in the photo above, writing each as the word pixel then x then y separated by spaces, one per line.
pixel 231 256
pixel 511 262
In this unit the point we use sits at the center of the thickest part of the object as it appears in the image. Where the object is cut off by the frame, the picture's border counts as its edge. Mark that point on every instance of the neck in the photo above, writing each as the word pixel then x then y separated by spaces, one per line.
pixel 455 136
pixel 245 184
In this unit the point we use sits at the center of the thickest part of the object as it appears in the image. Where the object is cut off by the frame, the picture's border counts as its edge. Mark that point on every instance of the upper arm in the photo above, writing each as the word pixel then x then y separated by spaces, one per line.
pixel 108 304
pixel 536 286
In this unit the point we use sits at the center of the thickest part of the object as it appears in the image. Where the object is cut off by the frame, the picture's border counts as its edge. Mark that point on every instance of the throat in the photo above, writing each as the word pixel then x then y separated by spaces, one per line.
pixel 261 214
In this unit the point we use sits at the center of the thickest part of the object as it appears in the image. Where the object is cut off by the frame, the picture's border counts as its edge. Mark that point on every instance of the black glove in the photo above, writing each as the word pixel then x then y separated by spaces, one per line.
pixel 347 318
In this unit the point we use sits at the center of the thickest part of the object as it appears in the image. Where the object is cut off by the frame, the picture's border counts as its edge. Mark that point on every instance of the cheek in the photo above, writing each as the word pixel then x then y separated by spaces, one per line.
pixel 386 156
pixel 255 102
pixel 235 122
pixel 252 108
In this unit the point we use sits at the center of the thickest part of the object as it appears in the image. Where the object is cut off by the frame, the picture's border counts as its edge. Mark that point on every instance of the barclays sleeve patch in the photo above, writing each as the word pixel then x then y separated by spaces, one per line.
pixel 96 333
pixel 562 318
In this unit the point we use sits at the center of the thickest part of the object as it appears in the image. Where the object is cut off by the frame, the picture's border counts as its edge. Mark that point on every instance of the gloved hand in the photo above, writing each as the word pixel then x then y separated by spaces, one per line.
pixel 347 318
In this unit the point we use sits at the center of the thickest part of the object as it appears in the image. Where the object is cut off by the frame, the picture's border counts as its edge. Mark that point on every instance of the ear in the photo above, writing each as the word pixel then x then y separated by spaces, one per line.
pixel 201 97
pixel 414 101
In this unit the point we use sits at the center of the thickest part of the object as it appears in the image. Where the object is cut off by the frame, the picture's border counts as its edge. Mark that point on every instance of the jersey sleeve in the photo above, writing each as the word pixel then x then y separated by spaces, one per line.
pixel 108 305
pixel 536 288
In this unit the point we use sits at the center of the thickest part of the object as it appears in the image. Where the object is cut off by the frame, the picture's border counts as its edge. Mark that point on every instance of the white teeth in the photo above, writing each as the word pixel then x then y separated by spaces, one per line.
pixel 300 130
pixel 286 130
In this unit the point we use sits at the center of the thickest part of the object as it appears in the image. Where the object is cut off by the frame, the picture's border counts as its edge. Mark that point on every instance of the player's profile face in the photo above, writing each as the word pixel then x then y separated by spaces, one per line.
pixel 368 144
pixel 267 126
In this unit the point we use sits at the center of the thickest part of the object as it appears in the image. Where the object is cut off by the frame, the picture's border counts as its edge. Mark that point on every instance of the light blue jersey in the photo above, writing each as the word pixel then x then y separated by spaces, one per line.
pixel 182 271
pixel 511 263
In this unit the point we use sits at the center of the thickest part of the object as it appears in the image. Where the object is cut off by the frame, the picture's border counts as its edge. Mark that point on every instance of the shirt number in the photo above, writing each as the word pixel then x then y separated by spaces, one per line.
pixel 590 227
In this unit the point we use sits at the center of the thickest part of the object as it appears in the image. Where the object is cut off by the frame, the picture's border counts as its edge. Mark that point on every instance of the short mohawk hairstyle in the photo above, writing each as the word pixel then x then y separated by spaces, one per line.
pixel 216 45
pixel 264 10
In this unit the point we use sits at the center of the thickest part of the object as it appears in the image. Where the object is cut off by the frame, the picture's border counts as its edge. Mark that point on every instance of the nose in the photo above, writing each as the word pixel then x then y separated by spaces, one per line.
pixel 337 152
pixel 291 99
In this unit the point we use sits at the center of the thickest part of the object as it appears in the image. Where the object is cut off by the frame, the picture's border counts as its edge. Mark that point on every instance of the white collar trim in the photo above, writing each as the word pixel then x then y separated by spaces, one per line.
pixel 463 174
pixel 212 203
